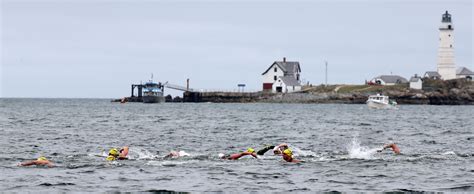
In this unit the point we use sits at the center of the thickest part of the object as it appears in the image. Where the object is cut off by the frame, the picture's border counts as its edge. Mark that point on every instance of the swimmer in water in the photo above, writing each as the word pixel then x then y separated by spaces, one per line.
pixel 277 150
pixel 249 151
pixel 41 161
pixel 175 154
pixel 288 156
pixel 118 154
pixel 393 146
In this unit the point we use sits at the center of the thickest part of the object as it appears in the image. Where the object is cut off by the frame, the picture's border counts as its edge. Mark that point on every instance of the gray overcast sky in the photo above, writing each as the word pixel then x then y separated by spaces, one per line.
pixel 98 48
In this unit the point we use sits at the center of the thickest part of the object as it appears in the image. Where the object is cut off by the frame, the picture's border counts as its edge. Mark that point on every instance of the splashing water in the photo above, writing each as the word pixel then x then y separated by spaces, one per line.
pixel 360 152
pixel 449 153
pixel 142 153
pixel 183 153
pixel 298 152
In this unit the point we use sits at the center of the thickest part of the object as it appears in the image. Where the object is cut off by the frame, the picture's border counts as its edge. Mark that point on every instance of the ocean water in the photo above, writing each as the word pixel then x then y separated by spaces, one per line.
pixel 336 142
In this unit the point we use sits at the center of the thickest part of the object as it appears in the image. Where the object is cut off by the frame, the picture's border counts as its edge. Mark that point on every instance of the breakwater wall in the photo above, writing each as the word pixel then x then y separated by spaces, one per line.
pixel 222 97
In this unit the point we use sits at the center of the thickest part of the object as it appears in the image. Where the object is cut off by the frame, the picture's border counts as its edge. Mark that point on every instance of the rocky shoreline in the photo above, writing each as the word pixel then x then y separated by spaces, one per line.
pixel 359 98
pixel 434 92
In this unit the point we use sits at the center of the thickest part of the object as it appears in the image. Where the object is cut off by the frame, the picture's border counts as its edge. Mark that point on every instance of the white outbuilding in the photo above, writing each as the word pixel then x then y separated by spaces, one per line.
pixel 416 83
pixel 286 84
pixel 464 72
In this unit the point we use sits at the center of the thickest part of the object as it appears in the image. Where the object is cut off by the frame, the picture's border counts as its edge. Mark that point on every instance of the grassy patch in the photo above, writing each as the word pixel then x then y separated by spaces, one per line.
pixel 355 88
pixel 319 89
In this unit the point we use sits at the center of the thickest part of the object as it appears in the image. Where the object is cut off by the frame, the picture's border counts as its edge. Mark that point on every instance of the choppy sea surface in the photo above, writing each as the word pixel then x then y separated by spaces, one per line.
pixel 336 142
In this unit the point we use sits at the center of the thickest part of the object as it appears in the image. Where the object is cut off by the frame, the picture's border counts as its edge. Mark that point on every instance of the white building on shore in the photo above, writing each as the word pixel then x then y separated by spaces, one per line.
pixel 282 77
pixel 464 72
pixel 416 82
pixel 432 75
pixel 388 80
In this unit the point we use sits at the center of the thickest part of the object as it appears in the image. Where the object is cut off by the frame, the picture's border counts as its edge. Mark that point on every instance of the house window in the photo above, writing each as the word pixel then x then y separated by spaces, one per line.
pixel 451 46
pixel 275 77
pixel 449 35
pixel 275 69
pixel 298 77
pixel 449 27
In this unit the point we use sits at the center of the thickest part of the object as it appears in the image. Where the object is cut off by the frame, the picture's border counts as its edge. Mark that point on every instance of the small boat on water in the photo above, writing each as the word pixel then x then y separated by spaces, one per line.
pixel 381 102
pixel 153 92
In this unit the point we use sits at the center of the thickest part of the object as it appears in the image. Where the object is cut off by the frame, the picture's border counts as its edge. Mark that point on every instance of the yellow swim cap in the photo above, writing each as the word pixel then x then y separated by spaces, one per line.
pixel 110 158
pixel 113 152
pixel 42 158
pixel 288 152
pixel 251 150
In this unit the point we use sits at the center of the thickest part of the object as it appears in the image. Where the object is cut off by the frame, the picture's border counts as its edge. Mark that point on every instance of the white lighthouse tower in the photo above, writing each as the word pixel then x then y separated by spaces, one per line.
pixel 446 65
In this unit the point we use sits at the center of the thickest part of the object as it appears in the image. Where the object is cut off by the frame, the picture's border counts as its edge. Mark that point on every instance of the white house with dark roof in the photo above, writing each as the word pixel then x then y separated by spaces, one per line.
pixel 286 84
pixel 282 76
pixel 389 80
pixel 416 82
pixel 464 72
pixel 432 75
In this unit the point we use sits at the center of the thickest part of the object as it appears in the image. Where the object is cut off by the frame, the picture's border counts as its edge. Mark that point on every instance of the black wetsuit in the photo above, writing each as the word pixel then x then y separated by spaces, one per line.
pixel 262 151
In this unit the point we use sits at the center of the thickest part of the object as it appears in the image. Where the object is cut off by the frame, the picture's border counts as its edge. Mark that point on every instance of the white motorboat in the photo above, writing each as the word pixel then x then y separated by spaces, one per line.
pixel 381 102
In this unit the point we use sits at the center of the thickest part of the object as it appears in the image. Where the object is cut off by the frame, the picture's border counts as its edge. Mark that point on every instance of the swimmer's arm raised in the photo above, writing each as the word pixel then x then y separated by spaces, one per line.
pixel 124 152
pixel 262 151
pixel 282 145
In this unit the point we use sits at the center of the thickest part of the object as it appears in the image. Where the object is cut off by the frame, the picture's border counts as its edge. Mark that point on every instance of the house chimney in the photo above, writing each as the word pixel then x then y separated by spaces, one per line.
pixel 416 75
pixel 284 59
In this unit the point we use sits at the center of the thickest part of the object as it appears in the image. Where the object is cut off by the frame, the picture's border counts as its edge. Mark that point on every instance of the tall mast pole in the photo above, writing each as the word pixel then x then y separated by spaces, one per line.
pixel 326 73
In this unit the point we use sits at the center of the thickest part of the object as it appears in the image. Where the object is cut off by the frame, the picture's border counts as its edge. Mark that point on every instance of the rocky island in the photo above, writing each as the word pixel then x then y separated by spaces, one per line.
pixel 434 92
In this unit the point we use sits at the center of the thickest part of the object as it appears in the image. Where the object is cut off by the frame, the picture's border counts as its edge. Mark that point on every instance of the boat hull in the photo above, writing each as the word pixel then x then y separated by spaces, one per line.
pixel 153 99
pixel 378 105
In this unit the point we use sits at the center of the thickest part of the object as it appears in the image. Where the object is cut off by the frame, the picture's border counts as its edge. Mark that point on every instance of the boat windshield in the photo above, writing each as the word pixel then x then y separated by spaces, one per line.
pixel 379 98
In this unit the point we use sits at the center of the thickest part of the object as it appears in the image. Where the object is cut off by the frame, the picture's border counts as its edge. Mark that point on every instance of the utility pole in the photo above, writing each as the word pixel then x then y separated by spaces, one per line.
pixel 326 73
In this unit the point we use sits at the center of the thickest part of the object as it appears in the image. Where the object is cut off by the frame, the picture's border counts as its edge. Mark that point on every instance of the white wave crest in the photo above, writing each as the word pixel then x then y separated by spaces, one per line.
pixel 298 152
pixel 357 151
pixel 140 154
pixel 183 153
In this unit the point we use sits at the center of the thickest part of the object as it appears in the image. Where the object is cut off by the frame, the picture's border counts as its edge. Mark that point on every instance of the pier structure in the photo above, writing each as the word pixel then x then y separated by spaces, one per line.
pixel 138 97
pixel 178 87
pixel 139 87
pixel 193 95
pixel 222 96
